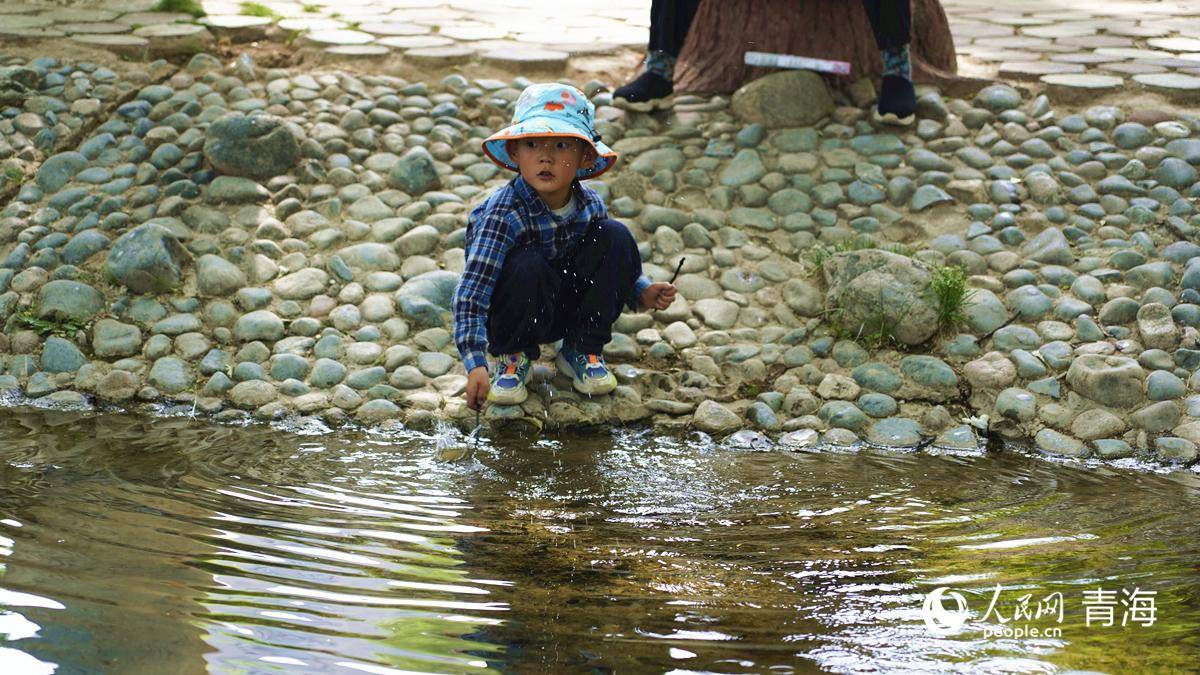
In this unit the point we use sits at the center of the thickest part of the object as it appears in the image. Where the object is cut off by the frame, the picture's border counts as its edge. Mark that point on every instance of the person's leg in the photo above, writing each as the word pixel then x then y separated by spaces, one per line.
pixel 519 318
pixel 891 24
pixel 669 24
pixel 596 279
pixel 523 304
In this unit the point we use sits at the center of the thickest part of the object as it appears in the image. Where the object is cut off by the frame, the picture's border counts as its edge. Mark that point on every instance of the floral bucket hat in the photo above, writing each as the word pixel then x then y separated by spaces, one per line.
pixel 552 109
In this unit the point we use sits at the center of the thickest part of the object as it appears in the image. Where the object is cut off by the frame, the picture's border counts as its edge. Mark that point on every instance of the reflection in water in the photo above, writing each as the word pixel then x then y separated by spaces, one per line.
pixel 128 545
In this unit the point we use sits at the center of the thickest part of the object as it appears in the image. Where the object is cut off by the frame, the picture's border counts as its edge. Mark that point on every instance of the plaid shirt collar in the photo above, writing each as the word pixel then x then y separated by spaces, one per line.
pixel 589 205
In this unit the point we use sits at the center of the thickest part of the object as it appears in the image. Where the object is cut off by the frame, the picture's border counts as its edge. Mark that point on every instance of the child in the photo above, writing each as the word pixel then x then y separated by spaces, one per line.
pixel 544 260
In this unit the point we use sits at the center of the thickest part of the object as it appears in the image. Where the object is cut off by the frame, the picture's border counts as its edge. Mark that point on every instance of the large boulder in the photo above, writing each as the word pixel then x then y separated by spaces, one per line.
pixel 1111 381
pixel 146 259
pixel 791 98
pixel 877 292
pixel 426 297
pixel 255 146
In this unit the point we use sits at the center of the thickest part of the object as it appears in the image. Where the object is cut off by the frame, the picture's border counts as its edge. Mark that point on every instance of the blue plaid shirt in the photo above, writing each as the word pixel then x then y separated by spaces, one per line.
pixel 512 216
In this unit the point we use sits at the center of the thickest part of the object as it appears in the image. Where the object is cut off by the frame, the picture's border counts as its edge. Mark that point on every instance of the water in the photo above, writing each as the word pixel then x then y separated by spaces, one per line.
pixel 172 545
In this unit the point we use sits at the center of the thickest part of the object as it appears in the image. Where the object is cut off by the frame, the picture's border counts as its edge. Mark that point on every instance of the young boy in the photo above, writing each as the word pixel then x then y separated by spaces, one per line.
pixel 544 260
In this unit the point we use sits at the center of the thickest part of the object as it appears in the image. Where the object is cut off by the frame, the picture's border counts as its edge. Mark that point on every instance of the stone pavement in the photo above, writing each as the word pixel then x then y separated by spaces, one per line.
pixel 1081 44
pixel 1070 45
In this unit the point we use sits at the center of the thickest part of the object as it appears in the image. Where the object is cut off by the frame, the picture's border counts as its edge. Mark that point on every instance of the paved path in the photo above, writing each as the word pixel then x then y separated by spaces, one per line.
pixel 1067 43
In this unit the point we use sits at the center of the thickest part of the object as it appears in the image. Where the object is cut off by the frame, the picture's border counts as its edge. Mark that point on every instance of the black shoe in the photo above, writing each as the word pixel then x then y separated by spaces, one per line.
pixel 647 92
pixel 897 101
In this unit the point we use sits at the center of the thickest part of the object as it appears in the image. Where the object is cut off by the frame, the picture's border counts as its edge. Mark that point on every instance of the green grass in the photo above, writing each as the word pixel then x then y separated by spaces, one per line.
pixel 191 7
pixel 949 287
pixel 259 9
pixel 61 328
pixel 311 8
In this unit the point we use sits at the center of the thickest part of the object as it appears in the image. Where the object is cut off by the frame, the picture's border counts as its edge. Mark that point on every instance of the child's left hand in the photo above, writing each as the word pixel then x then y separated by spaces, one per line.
pixel 658 295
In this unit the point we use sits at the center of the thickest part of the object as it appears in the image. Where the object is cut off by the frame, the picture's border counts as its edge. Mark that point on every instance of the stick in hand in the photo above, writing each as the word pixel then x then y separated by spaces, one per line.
pixel 677 268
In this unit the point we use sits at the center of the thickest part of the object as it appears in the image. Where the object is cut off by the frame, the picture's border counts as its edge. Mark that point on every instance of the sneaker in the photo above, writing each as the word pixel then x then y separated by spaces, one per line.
pixel 649 91
pixel 508 384
pixel 588 373
pixel 897 102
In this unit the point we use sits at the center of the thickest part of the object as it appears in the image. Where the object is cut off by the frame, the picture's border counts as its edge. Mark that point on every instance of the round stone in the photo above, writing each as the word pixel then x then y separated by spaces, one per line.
pixel 121 45
pixel 415 42
pixel 338 37
pixel 359 51
pixel 1032 70
pixel 393 28
pixel 1052 442
pixel 714 418
pixel 1178 84
pixel 877 405
pixel 171 39
pixel 1080 86
pixel 1162 385
pixel 439 56
pixel 238 27
pixel 998 98
pixel 312 23
pixel 895 432
pixel 521 57
pixel 98 28
pixel 1016 404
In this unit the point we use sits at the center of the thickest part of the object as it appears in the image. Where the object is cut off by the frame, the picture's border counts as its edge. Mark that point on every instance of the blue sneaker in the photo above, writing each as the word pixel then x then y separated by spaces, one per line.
pixel 588 373
pixel 508 382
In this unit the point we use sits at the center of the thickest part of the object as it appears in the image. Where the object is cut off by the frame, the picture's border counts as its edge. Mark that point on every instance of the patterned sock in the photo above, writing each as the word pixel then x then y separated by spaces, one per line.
pixel 661 63
pixel 896 63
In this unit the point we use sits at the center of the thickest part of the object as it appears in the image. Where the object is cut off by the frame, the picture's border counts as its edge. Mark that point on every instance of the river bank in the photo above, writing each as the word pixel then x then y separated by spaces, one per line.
pixel 264 243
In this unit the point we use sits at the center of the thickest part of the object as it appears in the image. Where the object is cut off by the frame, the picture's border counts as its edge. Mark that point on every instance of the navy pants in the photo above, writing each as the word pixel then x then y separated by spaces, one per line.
pixel 577 297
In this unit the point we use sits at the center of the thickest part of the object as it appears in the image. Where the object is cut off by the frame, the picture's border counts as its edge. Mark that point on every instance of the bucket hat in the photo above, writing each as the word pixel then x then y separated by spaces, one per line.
pixel 552 109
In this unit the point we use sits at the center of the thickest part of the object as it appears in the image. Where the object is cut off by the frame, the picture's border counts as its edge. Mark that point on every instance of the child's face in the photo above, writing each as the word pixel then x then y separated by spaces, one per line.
pixel 549 164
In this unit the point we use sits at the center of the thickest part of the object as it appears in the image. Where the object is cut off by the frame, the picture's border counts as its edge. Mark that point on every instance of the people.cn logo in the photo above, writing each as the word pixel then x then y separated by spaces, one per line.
pixel 939 619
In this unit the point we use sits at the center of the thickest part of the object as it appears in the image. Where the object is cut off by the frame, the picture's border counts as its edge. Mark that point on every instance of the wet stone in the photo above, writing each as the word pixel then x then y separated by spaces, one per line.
pixel 1052 442
pixel 895 432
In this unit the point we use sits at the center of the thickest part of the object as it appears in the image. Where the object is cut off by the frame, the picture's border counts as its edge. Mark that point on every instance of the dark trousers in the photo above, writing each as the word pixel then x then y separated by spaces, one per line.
pixel 576 298
pixel 890 21
pixel 671 19
pixel 669 24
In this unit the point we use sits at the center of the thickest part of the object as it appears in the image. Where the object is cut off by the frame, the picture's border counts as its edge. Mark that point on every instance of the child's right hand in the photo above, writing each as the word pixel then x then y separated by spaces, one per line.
pixel 477 387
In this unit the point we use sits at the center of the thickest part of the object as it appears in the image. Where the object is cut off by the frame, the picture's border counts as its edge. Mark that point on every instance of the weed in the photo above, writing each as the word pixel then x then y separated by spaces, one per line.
pixel 749 390
pixel 259 9
pixel 311 8
pixel 60 327
pixel 13 174
pixel 949 287
pixel 191 7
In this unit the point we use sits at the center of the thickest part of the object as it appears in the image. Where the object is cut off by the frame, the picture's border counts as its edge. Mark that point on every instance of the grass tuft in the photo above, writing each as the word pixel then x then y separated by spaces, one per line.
pixel 311 8
pixel 950 289
pixel 66 328
pixel 259 9
pixel 191 7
